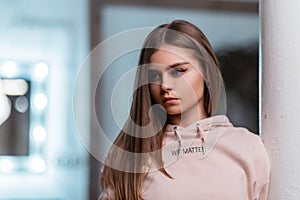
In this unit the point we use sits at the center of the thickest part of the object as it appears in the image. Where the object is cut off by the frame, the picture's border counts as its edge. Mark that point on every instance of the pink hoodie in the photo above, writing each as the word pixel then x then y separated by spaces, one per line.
pixel 210 160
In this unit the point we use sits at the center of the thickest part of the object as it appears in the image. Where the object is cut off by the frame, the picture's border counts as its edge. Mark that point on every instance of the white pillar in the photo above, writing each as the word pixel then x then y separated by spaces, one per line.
pixel 280 113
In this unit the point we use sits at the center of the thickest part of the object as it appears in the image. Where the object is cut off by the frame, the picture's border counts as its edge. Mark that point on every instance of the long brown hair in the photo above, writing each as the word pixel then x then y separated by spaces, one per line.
pixel 126 180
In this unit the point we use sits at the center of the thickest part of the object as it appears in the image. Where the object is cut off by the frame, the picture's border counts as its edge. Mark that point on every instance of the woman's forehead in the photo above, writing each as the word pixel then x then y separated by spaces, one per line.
pixel 171 56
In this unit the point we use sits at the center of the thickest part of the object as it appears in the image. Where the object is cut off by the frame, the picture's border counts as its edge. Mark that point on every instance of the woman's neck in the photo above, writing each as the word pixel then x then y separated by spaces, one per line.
pixel 188 117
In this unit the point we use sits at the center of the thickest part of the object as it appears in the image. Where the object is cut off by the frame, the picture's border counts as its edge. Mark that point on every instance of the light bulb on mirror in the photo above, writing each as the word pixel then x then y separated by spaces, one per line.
pixel 5 105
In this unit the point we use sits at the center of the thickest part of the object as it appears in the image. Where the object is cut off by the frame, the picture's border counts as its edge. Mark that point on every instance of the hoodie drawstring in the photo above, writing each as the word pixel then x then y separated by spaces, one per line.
pixel 175 129
pixel 200 133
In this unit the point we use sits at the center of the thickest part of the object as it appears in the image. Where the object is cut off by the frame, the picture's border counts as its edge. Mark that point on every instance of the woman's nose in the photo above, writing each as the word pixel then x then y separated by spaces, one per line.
pixel 166 83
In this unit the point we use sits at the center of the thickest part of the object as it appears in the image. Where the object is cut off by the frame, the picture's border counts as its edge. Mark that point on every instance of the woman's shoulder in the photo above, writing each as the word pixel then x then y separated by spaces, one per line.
pixel 231 135
pixel 242 138
pixel 241 133
pixel 245 144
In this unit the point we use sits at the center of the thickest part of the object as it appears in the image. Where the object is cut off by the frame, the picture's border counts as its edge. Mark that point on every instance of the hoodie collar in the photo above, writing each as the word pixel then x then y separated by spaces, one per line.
pixel 204 133
pixel 204 124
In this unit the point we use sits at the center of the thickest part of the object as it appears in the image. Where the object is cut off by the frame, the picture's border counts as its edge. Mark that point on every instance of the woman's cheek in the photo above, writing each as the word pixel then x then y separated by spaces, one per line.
pixel 155 92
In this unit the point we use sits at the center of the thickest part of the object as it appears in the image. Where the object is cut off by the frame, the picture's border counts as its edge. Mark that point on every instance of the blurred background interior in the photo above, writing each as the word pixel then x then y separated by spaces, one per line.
pixel 43 44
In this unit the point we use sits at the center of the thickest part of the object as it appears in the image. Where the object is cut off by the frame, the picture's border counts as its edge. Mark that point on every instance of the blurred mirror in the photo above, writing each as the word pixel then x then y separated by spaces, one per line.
pixel 42 45
pixel 14 132
pixel 23 134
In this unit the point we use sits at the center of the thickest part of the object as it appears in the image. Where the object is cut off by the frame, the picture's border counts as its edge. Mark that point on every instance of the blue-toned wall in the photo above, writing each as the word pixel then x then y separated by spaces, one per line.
pixel 56 33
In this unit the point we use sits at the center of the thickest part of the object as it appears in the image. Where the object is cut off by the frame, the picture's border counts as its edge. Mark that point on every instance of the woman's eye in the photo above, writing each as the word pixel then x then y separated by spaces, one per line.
pixel 177 72
pixel 154 76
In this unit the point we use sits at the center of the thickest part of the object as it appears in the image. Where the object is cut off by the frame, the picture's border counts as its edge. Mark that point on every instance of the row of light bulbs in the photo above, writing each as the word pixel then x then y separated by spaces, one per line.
pixel 36 164
pixel 10 69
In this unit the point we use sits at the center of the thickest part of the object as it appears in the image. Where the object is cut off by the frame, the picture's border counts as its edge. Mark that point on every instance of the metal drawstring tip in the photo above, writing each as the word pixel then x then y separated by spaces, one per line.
pixel 203 150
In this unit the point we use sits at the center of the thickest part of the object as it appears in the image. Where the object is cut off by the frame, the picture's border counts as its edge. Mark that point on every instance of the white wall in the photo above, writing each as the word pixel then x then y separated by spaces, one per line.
pixel 280 84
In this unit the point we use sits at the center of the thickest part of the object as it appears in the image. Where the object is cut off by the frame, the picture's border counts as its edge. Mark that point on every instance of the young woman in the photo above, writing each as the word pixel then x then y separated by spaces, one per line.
pixel 175 144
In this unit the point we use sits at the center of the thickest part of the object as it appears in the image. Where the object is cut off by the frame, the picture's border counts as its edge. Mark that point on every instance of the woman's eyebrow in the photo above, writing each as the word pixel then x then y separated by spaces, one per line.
pixel 172 66
pixel 178 64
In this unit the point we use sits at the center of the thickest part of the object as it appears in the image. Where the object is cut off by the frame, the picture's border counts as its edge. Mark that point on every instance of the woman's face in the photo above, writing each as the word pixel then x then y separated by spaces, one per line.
pixel 176 81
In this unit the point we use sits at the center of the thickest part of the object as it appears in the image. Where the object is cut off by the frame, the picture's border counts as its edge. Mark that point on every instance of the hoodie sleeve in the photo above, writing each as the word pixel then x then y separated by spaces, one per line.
pixel 262 172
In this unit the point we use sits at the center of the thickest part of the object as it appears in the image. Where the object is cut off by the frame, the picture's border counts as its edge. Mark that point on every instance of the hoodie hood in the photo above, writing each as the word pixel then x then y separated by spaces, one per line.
pixel 199 137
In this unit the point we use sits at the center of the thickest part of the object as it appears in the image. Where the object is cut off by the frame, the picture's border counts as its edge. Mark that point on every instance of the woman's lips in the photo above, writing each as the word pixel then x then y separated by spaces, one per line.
pixel 170 100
